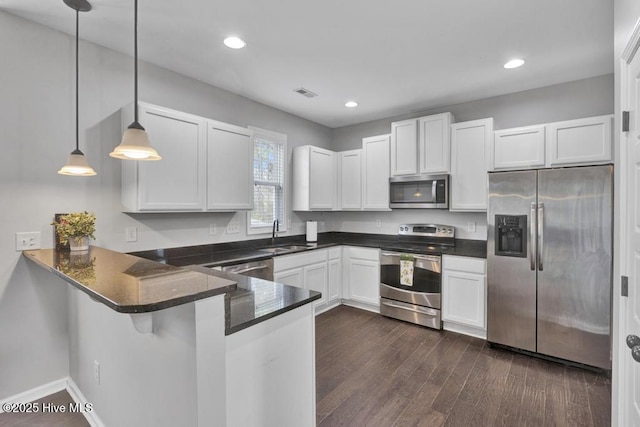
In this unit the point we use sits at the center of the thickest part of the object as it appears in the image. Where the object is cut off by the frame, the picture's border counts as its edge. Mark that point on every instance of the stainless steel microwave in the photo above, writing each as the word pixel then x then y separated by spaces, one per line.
pixel 419 192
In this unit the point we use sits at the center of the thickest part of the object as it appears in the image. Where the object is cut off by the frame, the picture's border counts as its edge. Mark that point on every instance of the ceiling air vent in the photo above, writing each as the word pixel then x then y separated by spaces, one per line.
pixel 306 92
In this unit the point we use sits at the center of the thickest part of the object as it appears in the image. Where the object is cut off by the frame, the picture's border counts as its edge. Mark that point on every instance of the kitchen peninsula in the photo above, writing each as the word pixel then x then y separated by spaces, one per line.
pixel 155 344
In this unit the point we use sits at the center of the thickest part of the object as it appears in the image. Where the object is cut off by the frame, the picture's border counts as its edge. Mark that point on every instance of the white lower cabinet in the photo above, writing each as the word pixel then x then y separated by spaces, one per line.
pixel 334 281
pixel 362 278
pixel 464 295
pixel 307 270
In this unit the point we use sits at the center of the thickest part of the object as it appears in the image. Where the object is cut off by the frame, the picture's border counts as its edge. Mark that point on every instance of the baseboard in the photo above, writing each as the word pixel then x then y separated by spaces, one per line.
pixel 36 392
pixel 45 390
pixel 78 397
pixel 328 307
pixel 465 330
pixel 361 305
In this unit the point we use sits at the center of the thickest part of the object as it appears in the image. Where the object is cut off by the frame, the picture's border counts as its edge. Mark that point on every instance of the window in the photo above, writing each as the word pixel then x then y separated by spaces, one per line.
pixel 269 154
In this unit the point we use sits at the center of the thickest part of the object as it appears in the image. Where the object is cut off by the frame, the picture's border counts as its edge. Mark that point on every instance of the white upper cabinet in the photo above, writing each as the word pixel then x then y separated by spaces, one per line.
pixel 376 173
pixel 206 165
pixel 178 181
pixel 434 143
pixel 568 143
pixel 314 179
pixel 470 161
pixel 229 167
pixel 583 141
pixel 404 147
pixel 421 145
pixel 519 148
pixel 351 179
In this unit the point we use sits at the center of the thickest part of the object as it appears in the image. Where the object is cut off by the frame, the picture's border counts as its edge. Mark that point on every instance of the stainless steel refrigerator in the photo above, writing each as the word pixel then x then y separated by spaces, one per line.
pixel 549 260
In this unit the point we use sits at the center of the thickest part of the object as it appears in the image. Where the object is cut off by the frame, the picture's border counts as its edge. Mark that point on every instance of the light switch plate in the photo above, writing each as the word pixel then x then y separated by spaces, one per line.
pixel 26 241
pixel 212 229
pixel 471 227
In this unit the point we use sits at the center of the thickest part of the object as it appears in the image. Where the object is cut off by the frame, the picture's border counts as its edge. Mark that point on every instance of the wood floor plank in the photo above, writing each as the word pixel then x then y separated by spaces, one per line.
pixel 375 371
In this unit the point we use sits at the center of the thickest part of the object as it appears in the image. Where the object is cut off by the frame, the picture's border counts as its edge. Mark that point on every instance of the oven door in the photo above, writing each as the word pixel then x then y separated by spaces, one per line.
pixel 420 288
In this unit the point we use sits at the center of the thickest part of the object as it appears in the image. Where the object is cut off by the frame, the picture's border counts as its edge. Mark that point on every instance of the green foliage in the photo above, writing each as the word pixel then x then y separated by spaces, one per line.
pixel 75 224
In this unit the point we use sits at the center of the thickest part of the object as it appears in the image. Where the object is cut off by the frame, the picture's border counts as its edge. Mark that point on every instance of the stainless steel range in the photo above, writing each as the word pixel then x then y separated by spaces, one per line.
pixel 410 273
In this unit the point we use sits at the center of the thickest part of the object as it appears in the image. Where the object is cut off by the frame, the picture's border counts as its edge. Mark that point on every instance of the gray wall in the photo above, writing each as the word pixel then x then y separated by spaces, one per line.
pixel 37 121
pixel 573 100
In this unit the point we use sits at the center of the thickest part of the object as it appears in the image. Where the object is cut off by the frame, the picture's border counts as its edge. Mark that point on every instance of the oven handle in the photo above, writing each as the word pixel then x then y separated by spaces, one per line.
pixel 413 309
pixel 433 258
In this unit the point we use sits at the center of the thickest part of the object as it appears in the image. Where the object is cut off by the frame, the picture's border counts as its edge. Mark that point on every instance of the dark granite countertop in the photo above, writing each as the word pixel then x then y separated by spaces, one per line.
pixel 256 300
pixel 129 284
pixel 248 250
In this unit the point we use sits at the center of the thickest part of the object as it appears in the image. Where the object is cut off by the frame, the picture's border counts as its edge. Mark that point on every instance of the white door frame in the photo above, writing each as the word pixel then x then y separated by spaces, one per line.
pixel 619 347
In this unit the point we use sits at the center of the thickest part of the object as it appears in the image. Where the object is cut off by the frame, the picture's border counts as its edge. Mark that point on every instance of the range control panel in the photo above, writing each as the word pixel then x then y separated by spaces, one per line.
pixel 427 230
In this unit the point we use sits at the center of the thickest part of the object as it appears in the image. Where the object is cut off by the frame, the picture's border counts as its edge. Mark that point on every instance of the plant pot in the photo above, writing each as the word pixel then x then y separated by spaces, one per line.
pixel 78 243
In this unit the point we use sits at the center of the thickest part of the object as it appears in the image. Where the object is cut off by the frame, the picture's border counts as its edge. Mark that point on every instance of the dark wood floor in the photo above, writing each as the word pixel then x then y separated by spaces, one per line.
pixel 46 419
pixel 376 371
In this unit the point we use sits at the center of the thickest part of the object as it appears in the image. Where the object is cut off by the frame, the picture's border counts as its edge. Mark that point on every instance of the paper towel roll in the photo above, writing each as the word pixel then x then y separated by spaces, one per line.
pixel 312 231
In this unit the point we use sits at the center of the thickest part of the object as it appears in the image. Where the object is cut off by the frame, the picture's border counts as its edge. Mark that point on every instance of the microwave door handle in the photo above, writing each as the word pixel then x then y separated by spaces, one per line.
pixel 434 184
pixel 532 237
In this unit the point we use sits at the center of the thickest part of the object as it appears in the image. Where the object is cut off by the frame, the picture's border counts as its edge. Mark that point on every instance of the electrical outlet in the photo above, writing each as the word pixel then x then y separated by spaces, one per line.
pixel 212 229
pixel 471 227
pixel 233 228
pixel 131 234
pixel 378 223
pixel 96 371
pixel 26 241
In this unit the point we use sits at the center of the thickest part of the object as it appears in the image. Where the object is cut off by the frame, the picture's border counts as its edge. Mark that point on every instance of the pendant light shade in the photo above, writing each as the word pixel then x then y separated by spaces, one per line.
pixel 77 164
pixel 135 143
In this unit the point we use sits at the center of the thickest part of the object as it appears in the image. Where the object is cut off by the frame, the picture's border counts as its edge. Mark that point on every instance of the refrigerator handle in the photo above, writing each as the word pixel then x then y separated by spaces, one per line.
pixel 532 237
pixel 540 236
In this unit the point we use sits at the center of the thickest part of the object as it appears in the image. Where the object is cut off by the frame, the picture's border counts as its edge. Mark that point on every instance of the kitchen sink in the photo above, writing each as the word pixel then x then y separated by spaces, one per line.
pixel 284 249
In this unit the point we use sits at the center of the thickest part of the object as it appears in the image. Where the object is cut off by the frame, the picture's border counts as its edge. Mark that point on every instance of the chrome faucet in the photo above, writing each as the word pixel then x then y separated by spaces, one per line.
pixel 274 233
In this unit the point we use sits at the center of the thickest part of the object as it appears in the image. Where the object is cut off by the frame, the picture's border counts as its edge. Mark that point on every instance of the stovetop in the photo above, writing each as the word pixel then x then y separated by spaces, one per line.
pixel 423 238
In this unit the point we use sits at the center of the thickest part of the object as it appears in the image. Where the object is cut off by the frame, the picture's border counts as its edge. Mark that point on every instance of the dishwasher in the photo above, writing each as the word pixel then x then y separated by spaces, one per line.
pixel 262 269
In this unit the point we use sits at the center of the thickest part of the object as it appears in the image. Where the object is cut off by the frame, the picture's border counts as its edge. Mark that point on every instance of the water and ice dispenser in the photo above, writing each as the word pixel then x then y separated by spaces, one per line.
pixel 511 235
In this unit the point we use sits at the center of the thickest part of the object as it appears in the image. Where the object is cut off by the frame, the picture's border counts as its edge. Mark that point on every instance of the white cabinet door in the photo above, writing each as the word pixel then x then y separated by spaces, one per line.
pixel 351 179
pixel 334 280
pixel 404 147
pixel 464 296
pixel 376 173
pixel 315 279
pixel 314 179
pixel 363 266
pixel 519 148
pixel 229 167
pixel 178 181
pixel 434 143
pixel 292 277
pixel 583 141
pixel 470 161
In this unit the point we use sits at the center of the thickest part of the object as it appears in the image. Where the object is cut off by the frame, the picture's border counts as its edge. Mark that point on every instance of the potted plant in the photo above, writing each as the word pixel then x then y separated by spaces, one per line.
pixel 76 228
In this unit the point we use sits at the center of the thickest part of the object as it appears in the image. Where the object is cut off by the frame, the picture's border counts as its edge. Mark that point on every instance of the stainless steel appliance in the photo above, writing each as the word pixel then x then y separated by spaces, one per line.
pixel 261 269
pixel 419 191
pixel 549 257
pixel 411 282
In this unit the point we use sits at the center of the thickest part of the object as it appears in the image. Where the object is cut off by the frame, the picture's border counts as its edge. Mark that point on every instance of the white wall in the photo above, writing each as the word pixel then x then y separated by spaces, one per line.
pixel 583 98
pixel 37 118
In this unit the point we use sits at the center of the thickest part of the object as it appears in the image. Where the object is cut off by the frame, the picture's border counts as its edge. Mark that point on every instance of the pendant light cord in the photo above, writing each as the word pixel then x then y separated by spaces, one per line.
pixel 135 62
pixel 77 79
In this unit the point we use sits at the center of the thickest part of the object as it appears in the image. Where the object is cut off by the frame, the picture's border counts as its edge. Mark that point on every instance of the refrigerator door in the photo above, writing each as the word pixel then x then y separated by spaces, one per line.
pixel 511 277
pixel 575 264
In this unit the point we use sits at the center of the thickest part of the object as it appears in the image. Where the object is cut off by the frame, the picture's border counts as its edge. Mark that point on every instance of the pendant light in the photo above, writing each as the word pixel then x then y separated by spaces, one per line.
pixel 135 143
pixel 77 163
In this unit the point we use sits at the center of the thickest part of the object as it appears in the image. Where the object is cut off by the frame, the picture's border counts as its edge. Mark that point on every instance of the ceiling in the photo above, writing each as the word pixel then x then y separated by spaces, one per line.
pixel 393 57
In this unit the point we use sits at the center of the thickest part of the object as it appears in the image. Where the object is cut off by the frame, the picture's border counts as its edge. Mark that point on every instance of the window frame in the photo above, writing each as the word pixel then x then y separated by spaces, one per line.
pixel 278 138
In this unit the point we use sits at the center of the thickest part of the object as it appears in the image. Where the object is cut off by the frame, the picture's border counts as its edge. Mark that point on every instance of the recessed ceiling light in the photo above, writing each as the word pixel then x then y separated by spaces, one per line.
pixel 351 104
pixel 234 42
pixel 514 63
